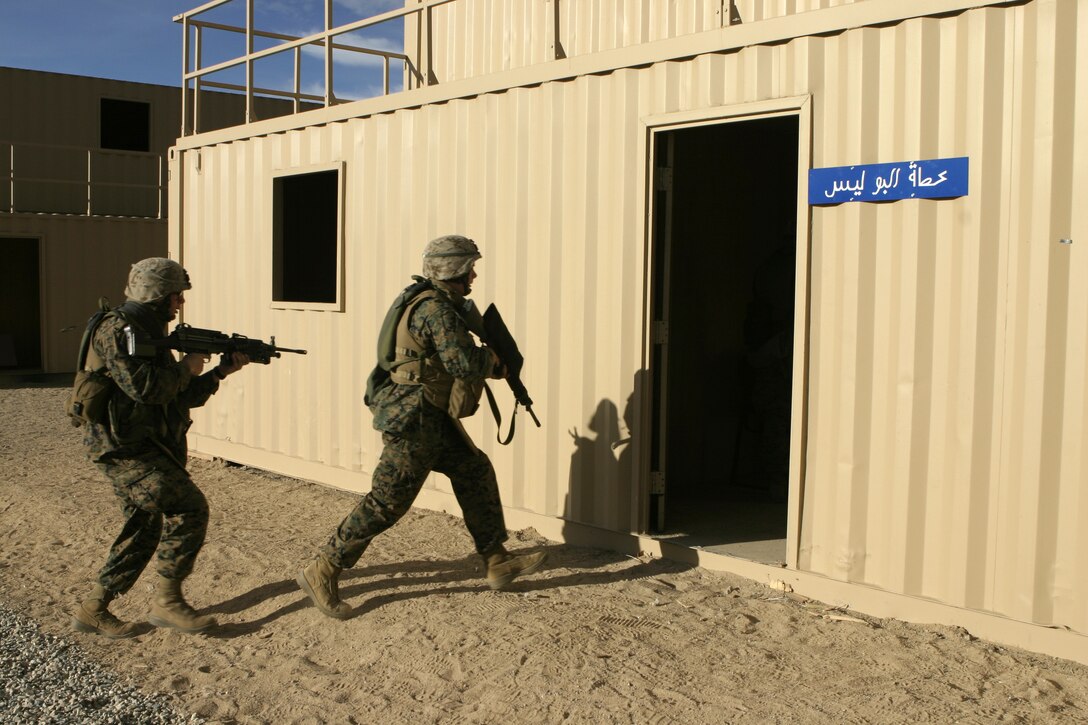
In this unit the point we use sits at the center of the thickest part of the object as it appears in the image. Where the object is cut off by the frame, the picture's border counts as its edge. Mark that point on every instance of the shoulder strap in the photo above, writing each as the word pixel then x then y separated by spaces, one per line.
pixel 86 344
pixel 387 334
pixel 406 349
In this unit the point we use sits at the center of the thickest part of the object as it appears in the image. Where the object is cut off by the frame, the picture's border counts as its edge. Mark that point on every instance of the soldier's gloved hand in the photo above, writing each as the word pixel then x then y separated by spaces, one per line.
pixel 233 364
pixel 498 370
pixel 195 362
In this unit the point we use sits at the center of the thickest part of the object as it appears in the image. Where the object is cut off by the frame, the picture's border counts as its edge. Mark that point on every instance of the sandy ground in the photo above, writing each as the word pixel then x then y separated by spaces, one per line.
pixel 596 637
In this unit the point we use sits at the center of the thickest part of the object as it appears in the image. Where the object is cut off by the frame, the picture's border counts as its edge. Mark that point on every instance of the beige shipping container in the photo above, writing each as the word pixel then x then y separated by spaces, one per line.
pixel 625 197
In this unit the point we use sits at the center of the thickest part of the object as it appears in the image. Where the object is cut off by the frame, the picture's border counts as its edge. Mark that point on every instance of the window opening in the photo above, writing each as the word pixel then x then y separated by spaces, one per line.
pixel 306 236
pixel 125 125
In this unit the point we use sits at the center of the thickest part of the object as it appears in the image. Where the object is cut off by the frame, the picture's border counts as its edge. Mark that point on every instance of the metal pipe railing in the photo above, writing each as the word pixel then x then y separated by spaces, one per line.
pixel 249 61
pixel 323 39
pixel 90 179
pixel 419 73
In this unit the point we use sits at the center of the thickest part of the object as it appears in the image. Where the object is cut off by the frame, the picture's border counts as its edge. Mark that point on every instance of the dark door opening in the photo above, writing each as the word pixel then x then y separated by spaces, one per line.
pixel 20 305
pixel 724 246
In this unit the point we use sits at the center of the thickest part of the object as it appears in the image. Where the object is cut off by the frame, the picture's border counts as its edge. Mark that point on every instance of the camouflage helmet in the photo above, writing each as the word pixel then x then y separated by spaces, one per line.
pixel 152 279
pixel 449 257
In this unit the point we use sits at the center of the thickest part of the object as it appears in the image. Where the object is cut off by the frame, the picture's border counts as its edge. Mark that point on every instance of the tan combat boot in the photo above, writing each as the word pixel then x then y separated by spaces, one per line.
pixel 503 567
pixel 93 617
pixel 319 581
pixel 170 610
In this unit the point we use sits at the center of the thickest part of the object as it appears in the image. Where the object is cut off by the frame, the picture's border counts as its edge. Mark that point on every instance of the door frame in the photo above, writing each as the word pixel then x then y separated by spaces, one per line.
pixel 801 107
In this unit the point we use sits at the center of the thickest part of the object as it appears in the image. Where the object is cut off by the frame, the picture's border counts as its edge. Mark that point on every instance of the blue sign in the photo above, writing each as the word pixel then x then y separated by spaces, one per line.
pixel 930 179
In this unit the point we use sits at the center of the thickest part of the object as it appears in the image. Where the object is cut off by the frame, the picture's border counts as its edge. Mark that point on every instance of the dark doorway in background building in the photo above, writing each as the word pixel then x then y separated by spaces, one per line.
pixel 20 305
pixel 724 246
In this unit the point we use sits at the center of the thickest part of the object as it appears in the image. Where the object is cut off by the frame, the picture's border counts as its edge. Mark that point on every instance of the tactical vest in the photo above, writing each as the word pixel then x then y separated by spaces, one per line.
pixel 92 384
pixel 416 365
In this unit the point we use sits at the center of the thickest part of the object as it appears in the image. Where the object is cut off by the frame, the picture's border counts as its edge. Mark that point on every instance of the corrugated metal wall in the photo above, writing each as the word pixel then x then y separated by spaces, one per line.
pixel 57 108
pixel 410 177
pixel 1042 501
pixel 81 259
pixel 50 145
pixel 946 385
pixel 748 11
pixel 62 109
pixel 477 37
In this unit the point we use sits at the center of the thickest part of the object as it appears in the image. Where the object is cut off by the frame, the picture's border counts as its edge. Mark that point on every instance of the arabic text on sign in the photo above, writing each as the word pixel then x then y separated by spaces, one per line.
pixel 926 179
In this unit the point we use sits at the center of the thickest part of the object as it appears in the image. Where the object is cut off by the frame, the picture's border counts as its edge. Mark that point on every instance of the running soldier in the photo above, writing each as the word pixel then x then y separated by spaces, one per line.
pixel 437 379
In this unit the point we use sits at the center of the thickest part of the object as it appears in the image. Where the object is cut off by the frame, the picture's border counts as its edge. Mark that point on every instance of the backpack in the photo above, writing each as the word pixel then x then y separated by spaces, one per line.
pixel 387 339
pixel 92 387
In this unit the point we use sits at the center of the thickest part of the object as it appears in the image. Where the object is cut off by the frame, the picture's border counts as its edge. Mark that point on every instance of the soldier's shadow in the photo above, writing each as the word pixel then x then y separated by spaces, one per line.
pixel 417 579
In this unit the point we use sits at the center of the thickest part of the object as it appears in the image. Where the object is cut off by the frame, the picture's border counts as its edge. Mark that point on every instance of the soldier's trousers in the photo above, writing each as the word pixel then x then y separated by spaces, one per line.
pixel 164 511
pixel 400 474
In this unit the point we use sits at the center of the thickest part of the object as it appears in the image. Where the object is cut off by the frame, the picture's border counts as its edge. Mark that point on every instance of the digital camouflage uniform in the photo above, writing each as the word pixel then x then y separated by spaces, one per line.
pixel 420 438
pixel 142 450
pixel 436 375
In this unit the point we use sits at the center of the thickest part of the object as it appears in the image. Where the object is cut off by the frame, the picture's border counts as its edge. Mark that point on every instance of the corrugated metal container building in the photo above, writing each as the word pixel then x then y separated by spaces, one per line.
pixel 936 465
pixel 82 196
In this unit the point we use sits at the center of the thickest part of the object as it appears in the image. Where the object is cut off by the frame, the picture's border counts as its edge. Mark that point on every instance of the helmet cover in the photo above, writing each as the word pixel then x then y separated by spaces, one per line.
pixel 449 257
pixel 154 278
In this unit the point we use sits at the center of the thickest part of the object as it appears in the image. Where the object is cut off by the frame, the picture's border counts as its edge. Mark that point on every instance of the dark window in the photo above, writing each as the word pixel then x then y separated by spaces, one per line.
pixel 305 238
pixel 126 125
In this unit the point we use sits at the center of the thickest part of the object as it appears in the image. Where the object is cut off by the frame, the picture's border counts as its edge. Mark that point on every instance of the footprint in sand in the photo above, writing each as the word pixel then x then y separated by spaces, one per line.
pixel 179 683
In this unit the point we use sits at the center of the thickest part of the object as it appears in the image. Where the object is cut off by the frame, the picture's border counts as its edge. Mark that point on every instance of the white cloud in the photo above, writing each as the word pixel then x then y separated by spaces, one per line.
pixel 356 91
pixel 369 8
pixel 364 60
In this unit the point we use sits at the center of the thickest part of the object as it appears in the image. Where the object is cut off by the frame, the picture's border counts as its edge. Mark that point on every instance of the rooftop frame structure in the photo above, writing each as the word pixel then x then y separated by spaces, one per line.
pixel 193 28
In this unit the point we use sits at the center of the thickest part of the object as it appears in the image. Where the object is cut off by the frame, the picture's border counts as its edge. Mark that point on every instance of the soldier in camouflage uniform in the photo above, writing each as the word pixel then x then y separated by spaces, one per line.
pixel 141 448
pixel 437 361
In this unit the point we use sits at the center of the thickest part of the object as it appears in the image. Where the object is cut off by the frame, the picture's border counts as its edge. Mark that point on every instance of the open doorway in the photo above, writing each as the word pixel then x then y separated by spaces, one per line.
pixel 724 250
pixel 20 305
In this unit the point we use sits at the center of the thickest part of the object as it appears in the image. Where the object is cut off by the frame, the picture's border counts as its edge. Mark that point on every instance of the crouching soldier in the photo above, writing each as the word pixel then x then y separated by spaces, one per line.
pixel 436 379
pixel 140 446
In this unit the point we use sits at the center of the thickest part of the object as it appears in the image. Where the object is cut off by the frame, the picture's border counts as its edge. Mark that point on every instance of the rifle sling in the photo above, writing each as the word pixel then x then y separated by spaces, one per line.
pixel 498 417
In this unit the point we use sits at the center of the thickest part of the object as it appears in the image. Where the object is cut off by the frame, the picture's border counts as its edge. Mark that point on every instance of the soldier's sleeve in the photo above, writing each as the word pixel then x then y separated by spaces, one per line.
pixel 142 380
pixel 459 353
pixel 198 391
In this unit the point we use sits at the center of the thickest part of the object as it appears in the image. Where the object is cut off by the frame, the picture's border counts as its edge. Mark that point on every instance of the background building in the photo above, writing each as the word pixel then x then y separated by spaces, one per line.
pixel 644 179
pixel 82 196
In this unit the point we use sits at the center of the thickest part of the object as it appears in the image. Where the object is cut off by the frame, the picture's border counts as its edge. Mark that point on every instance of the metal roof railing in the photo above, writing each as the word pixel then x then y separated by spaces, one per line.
pixel 192 51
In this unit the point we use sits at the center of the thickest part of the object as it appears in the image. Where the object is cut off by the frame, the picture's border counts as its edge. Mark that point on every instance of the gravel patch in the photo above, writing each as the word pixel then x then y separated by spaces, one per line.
pixel 45 679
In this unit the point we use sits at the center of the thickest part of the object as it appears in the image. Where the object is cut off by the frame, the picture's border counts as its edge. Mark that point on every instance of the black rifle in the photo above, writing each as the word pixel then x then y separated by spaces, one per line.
pixel 187 339
pixel 497 336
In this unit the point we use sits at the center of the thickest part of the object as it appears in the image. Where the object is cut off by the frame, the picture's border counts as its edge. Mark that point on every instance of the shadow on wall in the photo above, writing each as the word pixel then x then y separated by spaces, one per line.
pixel 601 481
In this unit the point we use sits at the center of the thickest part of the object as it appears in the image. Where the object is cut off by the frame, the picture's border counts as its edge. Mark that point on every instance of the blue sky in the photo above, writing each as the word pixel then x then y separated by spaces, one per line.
pixel 137 40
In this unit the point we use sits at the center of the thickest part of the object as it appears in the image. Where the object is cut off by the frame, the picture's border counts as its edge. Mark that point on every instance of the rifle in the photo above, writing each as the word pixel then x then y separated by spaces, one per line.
pixel 186 338
pixel 497 336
